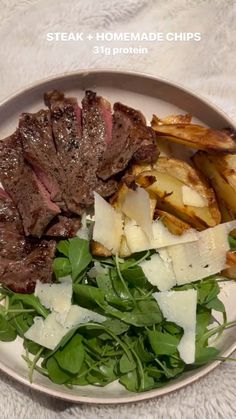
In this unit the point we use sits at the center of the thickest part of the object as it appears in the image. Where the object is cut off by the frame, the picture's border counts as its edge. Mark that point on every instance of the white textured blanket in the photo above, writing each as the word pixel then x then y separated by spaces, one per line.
pixel 207 66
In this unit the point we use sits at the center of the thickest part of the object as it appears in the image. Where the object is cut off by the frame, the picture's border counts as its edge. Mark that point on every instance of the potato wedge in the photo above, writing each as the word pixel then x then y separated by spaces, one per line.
pixel 195 136
pixel 230 272
pixel 174 224
pixel 166 180
pixel 221 172
pixel 226 213
pixel 97 249
pixel 172 119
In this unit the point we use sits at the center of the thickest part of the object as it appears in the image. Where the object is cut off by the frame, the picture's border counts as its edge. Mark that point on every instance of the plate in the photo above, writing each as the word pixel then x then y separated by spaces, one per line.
pixel 151 95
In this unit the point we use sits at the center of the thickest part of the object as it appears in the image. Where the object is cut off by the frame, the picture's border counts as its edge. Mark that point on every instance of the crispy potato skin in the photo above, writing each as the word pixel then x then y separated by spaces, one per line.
pixel 172 119
pixel 220 172
pixel 194 136
pixel 174 224
pixel 170 175
pixel 97 249
pixel 226 213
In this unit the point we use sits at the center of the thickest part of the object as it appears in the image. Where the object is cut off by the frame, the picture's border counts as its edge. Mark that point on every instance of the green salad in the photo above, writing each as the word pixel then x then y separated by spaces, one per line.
pixel 124 335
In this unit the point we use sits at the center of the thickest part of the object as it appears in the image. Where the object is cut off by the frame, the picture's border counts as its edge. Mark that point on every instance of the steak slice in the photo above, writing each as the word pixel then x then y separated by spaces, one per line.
pixel 12 244
pixel 23 260
pixel 9 216
pixel 131 138
pixel 66 120
pixel 97 125
pixel 39 150
pixel 81 138
pixel 28 194
pixel 62 226
pixel 21 275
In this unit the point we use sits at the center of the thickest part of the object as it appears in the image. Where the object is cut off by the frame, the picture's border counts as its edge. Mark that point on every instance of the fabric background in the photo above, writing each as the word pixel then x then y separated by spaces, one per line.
pixel 208 67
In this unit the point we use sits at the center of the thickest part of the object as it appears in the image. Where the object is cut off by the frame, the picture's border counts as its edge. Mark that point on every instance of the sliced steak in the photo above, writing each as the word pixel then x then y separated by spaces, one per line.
pixel 39 150
pixel 81 138
pixel 62 226
pixel 67 127
pixel 97 125
pixel 27 192
pixel 131 138
pixel 9 216
pixel 21 275
pixel 12 244
pixel 66 120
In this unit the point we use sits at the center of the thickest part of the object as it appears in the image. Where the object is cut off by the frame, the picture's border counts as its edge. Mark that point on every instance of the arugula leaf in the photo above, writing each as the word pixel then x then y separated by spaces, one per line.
pixel 89 297
pixel 79 256
pixel 136 278
pixel 55 373
pixel 203 320
pixel 116 326
pixel 61 267
pixel 163 343
pixel 71 357
pixel 63 247
pixel 30 300
pixel 119 287
pixel 207 291
pixel 169 371
pixel 216 304
pixel 126 364
pixel 232 242
pixel 205 355
pixel 130 380
pixel 7 332
pixel 107 369
pixel 21 322
pixel 141 350
pixel 31 346
pixel 172 328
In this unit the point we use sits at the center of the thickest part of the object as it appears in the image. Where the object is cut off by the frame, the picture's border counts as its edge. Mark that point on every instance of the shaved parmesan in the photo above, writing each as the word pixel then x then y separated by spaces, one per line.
pixel 137 240
pixel 193 198
pixel 180 307
pixel 163 238
pixel 158 271
pixel 108 227
pixel 48 332
pixel 78 315
pixel 207 256
pixel 136 205
pixel 56 297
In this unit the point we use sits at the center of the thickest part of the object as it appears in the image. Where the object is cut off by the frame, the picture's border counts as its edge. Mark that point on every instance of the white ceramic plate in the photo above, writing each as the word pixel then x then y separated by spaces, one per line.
pixel 150 95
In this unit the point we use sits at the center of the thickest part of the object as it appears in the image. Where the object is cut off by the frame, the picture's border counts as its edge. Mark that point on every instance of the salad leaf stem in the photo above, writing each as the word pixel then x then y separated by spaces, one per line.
pixel 33 363
pixel 121 277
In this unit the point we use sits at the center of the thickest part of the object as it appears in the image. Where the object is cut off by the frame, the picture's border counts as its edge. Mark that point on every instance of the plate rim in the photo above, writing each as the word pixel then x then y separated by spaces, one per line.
pixel 133 397
pixel 121 71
